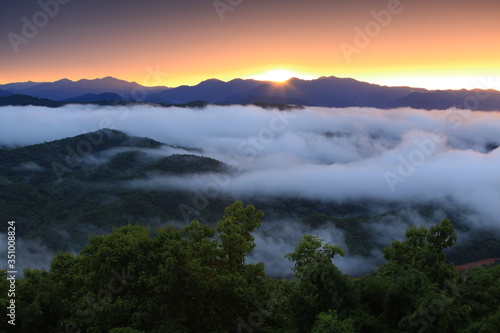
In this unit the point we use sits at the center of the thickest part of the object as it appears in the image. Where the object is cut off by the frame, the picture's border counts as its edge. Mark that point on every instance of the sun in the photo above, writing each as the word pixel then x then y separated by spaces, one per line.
pixel 279 75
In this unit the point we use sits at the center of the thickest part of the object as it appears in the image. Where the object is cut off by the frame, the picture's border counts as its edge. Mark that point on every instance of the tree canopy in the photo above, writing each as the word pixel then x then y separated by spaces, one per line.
pixel 197 279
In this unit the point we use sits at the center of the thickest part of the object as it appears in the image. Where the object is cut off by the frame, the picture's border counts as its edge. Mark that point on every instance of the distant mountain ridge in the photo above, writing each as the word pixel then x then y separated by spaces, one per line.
pixel 66 89
pixel 24 100
pixel 5 93
pixel 324 91
pixel 89 97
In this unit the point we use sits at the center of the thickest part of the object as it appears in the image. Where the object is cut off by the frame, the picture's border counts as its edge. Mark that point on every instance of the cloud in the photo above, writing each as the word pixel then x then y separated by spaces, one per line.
pixel 316 153
pixel 409 157
pixel 149 153
pixel 30 253
pixel 29 166
pixel 275 240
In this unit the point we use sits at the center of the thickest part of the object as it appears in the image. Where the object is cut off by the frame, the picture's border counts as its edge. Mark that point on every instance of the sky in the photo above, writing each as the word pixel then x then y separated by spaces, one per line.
pixel 434 44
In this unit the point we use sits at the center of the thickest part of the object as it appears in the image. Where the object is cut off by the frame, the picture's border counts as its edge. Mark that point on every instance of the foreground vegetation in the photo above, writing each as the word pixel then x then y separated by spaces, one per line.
pixel 196 279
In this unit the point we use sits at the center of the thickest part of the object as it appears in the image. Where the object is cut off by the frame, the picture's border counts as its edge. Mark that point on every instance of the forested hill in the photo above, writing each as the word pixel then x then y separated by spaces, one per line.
pixel 80 182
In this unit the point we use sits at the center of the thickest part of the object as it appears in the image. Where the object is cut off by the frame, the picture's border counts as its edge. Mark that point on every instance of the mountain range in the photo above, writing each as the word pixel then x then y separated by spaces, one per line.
pixel 324 91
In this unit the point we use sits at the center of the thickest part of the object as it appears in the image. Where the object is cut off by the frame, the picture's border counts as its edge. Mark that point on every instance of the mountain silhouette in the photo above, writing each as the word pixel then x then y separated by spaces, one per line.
pixel 65 89
pixel 324 91
pixel 212 91
pixel 24 100
pixel 4 93
pixel 485 100
pixel 89 98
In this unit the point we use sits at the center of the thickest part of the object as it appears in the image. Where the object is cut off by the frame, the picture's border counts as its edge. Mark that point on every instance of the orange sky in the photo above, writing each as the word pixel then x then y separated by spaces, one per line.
pixel 433 44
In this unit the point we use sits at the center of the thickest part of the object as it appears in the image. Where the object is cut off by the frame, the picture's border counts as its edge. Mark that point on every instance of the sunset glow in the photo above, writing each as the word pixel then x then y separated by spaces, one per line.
pixel 183 43
pixel 280 75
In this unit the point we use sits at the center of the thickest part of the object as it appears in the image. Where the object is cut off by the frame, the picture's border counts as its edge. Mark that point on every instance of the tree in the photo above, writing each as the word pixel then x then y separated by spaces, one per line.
pixel 235 230
pixel 481 292
pixel 423 250
pixel 321 286
pixel 422 289
pixel 38 302
pixel 191 279
pixel 311 251
pixel 328 322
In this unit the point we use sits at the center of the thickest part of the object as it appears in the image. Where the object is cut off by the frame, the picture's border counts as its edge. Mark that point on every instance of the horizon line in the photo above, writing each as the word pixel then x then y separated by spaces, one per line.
pixel 253 79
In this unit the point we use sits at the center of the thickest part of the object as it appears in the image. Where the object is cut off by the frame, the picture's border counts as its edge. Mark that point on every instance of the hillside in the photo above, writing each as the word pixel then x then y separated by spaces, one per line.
pixel 52 186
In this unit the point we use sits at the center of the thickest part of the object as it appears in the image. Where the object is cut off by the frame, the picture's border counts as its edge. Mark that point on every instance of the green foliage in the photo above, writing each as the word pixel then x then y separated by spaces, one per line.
pixel 423 251
pixel 481 292
pixel 311 251
pixel 38 302
pixel 321 286
pixel 421 290
pixel 125 330
pixel 189 279
pixel 235 230
pixel 328 322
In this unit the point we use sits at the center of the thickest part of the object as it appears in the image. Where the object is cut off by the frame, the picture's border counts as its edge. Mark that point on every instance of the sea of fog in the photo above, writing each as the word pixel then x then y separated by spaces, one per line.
pixel 447 157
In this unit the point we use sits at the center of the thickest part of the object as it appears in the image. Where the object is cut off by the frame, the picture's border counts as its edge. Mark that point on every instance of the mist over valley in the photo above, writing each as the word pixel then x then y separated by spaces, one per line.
pixel 355 177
